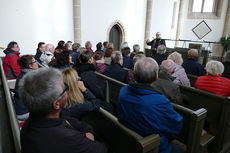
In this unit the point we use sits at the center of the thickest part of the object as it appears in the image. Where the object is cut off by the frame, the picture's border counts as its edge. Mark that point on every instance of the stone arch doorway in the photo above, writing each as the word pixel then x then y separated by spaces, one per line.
pixel 116 35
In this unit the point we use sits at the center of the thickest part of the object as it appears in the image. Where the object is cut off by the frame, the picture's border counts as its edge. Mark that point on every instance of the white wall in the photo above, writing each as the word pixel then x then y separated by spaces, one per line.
pixel 98 15
pixel 217 25
pixel 31 21
pixel 162 11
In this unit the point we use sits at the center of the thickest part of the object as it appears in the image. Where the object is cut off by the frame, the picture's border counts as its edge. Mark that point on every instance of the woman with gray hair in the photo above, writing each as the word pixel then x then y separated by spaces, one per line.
pixel 181 76
pixel 213 81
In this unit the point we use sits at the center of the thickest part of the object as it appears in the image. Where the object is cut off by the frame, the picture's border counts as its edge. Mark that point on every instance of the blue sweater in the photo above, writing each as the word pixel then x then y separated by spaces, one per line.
pixel 147 112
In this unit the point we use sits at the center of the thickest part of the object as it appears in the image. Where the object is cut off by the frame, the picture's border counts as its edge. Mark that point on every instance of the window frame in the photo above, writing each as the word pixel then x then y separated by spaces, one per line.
pixel 216 14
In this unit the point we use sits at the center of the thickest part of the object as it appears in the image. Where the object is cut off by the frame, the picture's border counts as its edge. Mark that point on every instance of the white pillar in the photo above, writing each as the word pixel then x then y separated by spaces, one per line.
pixel 179 22
pixel 77 20
pixel 148 21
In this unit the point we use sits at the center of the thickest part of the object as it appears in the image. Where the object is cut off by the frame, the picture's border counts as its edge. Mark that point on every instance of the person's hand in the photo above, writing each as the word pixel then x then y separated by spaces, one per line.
pixel 89 136
pixel 81 86
pixel 147 41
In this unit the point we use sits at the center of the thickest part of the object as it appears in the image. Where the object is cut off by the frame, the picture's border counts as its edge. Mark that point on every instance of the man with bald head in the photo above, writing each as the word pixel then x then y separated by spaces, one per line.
pixel 156 42
pixel 191 65
pixel 165 84
pixel 146 111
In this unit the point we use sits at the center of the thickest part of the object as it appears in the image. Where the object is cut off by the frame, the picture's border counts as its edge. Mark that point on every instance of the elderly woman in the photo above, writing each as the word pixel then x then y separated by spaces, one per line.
pixel 181 76
pixel 213 81
pixel 27 63
pixel 99 61
pixel 80 100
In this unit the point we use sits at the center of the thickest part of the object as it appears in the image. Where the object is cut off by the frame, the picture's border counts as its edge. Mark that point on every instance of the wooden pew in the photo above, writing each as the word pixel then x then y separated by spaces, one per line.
pixel 218 116
pixel 117 137
pixel 192 124
pixel 192 79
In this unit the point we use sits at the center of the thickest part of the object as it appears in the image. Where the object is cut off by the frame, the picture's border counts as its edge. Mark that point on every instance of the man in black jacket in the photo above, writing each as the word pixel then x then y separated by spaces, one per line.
pixel 156 42
pixel 44 94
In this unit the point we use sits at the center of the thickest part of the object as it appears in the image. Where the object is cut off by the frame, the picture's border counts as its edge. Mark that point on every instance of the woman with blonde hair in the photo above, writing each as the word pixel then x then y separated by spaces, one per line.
pixel 179 73
pixel 80 100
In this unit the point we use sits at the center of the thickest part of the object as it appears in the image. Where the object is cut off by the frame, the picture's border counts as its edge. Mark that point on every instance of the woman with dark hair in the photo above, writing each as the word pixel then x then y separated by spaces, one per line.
pixel 99 62
pixel 99 47
pixel 61 45
pixel 63 60
pixel 27 63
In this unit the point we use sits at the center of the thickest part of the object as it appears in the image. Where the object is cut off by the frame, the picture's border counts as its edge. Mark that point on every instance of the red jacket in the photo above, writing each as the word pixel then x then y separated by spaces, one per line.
pixel 10 64
pixel 214 84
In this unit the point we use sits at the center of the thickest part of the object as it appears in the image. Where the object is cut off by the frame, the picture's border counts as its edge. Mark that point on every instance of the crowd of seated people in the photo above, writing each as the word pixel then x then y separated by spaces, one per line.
pixel 77 92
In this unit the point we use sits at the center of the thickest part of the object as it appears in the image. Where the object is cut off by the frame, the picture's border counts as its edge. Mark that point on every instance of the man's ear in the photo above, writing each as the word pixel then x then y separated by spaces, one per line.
pixel 30 66
pixel 56 105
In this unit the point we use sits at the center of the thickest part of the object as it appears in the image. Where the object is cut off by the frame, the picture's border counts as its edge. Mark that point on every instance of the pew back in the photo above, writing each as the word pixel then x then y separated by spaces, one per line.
pixel 117 137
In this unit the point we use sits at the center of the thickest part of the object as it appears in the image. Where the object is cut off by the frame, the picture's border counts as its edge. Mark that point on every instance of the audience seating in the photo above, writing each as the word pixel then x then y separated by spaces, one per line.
pixel 9 129
pixel 218 116
pixel 117 137
pixel 192 79
pixel 192 124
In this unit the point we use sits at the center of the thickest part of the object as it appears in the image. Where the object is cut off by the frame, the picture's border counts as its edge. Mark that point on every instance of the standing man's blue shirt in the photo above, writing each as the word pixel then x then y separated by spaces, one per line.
pixel 147 112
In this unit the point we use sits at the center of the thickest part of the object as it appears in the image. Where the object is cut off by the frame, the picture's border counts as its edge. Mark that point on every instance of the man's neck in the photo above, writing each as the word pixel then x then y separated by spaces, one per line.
pixel 54 115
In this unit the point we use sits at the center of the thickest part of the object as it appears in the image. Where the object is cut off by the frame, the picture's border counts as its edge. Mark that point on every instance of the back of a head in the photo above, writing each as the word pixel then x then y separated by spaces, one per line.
pixel 214 68
pixel 99 46
pixel 70 77
pixel 88 44
pixel 167 66
pixel 176 58
pixel 108 52
pixel 136 48
pixel 24 61
pixel 76 46
pixel 61 44
pixel 146 70
pixel 125 51
pixel 161 49
pixel 116 57
pixel 68 46
pixel 105 44
pixel 85 56
pixel 62 58
pixel 38 90
pixel 124 45
pixel 11 44
pixel 49 47
pixel 227 56
pixel 98 56
pixel 193 54
pixel 110 45
pixel 137 57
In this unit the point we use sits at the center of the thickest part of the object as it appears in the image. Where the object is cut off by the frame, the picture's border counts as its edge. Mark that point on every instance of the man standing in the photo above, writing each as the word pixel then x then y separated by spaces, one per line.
pixel 156 42
pixel 44 94
pixel 146 111
pixel 10 64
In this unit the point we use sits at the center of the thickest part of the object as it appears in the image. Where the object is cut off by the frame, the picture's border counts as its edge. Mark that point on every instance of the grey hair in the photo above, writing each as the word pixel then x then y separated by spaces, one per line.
pixel 161 49
pixel 87 44
pixel 167 66
pixel 214 68
pixel 48 47
pixel 38 90
pixel 68 45
pixel 124 44
pixel 193 53
pixel 146 70
pixel 136 48
pixel 176 58
pixel 76 46
pixel 116 57
pixel 227 56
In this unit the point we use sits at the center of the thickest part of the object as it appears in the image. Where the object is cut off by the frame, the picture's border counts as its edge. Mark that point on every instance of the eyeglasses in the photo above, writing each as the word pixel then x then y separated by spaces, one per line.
pixel 66 89
pixel 33 62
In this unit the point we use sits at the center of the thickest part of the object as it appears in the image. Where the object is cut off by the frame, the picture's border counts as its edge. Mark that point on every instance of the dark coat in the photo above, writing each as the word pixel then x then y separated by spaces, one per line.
pixel 38 55
pixel 89 78
pixel 127 62
pixel 116 71
pixel 155 43
pixel 160 58
pixel 193 67
pixel 19 106
pixel 56 135
pixel 80 110
pixel 226 73
pixel 167 87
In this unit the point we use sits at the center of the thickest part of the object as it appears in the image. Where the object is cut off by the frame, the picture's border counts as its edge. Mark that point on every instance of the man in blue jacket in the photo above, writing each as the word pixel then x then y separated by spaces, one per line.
pixel 146 111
